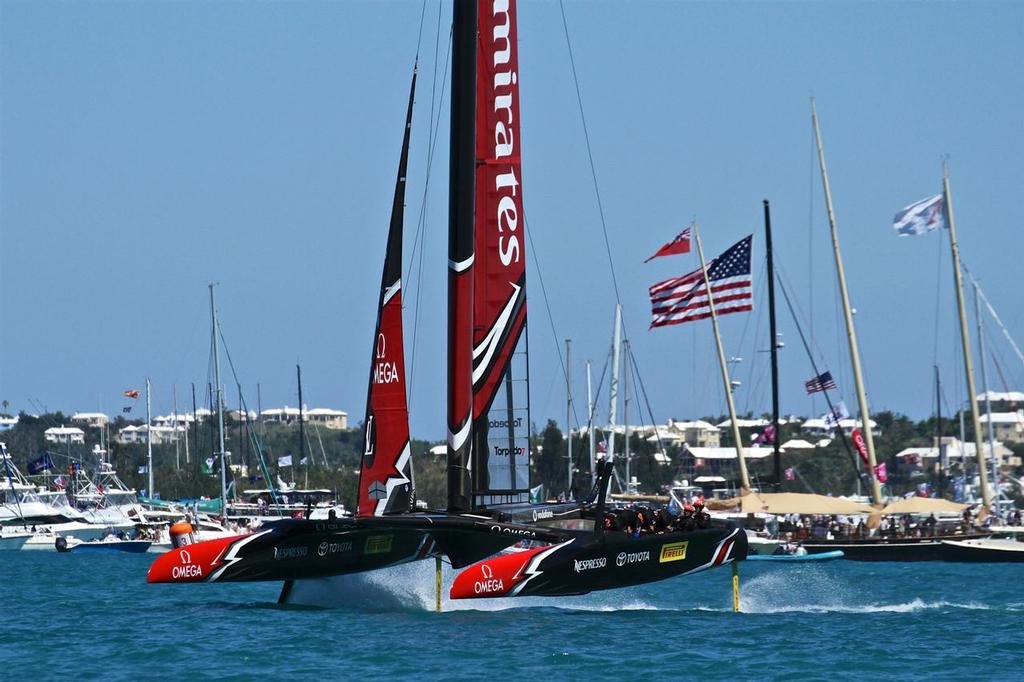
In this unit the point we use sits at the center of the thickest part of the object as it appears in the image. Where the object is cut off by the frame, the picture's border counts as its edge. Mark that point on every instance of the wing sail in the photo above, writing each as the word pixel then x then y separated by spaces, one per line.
pixel 385 473
pixel 501 453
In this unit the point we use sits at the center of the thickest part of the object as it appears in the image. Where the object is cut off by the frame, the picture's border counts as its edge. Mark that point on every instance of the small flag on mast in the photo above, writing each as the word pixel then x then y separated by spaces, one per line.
pixel 822 382
pixel 679 244
pixel 685 299
pixel 920 217
pixel 837 413
pixel 131 393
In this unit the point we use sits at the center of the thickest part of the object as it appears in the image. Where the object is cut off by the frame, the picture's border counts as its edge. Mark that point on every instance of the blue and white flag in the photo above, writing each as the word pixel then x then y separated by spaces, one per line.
pixel 837 412
pixel 38 466
pixel 920 217
pixel 285 461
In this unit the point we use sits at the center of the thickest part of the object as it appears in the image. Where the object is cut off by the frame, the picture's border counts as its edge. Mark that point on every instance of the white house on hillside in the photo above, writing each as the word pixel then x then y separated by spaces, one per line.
pixel 64 434
pixel 90 419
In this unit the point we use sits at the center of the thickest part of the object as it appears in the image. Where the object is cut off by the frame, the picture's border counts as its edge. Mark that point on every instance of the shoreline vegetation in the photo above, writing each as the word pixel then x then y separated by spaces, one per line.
pixel 333 459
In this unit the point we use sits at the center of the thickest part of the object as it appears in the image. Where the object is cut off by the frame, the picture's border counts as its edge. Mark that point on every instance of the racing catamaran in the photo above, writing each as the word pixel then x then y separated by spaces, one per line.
pixel 488 397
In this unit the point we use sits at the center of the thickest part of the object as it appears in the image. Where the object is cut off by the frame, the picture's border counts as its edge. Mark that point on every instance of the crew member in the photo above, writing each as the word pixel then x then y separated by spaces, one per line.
pixel 611 521
pixel 645 519
pixel 628 521
pixel 700 516
pixel 685 520
pixel 662 520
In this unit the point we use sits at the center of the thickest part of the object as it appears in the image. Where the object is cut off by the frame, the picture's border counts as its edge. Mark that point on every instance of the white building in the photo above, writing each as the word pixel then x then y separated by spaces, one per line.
pixel 1007 426
pixel 280 415
pixel 185 418
pixel 956 451
pixel 328 418
pixel 161 434
pixel 818 427
pixel 64 434
pixel 322 416
pixel 90 419
pixel 698 433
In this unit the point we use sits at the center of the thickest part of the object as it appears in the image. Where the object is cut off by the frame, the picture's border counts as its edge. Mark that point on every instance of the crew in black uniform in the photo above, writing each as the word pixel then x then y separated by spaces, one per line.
pixel 700 516
pixel 685 520
pixel 662 520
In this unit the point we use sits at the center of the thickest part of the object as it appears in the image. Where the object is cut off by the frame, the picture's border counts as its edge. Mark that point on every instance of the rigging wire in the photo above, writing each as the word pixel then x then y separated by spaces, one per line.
pixel 814 368
pixel 590 154
pixel 253 436
pixel 421 219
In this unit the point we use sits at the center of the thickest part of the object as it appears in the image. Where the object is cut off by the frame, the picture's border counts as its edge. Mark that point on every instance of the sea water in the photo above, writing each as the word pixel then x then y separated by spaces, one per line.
pixel 72 616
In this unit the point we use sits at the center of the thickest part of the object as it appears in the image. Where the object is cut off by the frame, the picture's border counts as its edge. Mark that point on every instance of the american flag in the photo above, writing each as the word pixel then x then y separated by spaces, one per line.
pixel 684 299
pixel 679 244
pixel 822 382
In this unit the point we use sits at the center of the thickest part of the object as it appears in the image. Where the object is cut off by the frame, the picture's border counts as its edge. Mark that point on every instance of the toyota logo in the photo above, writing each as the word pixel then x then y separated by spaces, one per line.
pixel 621 559
pixel 186 558
pixel 322 549
pixel 486 570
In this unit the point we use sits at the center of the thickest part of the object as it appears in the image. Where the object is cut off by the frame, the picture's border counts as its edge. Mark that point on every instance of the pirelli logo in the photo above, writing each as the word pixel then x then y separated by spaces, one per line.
pixel 674 551
pixel 378 544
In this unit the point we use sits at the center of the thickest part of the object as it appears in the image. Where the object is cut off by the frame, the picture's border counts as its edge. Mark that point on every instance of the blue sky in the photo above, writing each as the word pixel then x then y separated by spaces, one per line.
pixel 147 149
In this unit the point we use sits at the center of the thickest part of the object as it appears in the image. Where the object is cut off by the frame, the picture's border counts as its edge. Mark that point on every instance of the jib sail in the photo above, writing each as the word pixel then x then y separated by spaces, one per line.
pixel 501 425
pixel 385 474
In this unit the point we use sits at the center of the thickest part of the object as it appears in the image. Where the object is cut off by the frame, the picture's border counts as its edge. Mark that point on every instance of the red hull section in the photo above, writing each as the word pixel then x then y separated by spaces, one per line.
pixel 191 563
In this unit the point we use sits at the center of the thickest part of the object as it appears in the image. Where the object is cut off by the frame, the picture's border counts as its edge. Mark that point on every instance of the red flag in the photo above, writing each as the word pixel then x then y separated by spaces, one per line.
pixel 679 244
pixel 862 447
pixel 790 474
pixel 880 473
pixel 131 393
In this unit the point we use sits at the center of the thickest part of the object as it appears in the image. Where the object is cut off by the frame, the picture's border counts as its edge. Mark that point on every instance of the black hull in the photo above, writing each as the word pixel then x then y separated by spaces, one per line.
pixel 299 549
pixel 584 564
pixel 885 549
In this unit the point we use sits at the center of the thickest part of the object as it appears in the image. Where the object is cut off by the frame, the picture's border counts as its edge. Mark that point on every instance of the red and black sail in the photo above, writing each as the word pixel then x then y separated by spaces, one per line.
pixel 488 390
pixel 385 473
pixel 500 471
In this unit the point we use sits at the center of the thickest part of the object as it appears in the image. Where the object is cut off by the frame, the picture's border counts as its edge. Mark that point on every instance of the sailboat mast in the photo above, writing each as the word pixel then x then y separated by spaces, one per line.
pixel 851 332
pixel 614 392
pixel 625 407
pixel 984 391
pixel 177 453
pixel 744 478
pixel 590 428
pixel 149 442
pixel 568 413
pixel 195 426
pixel 774 341
pixel 965 338
pixel 461 208
pixel 302 424
pixel 938 420
pixel 220 408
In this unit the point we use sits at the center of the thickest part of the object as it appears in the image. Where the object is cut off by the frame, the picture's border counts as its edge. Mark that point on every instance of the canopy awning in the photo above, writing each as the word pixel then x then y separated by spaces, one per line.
pixel 792 503
pixel 923 505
